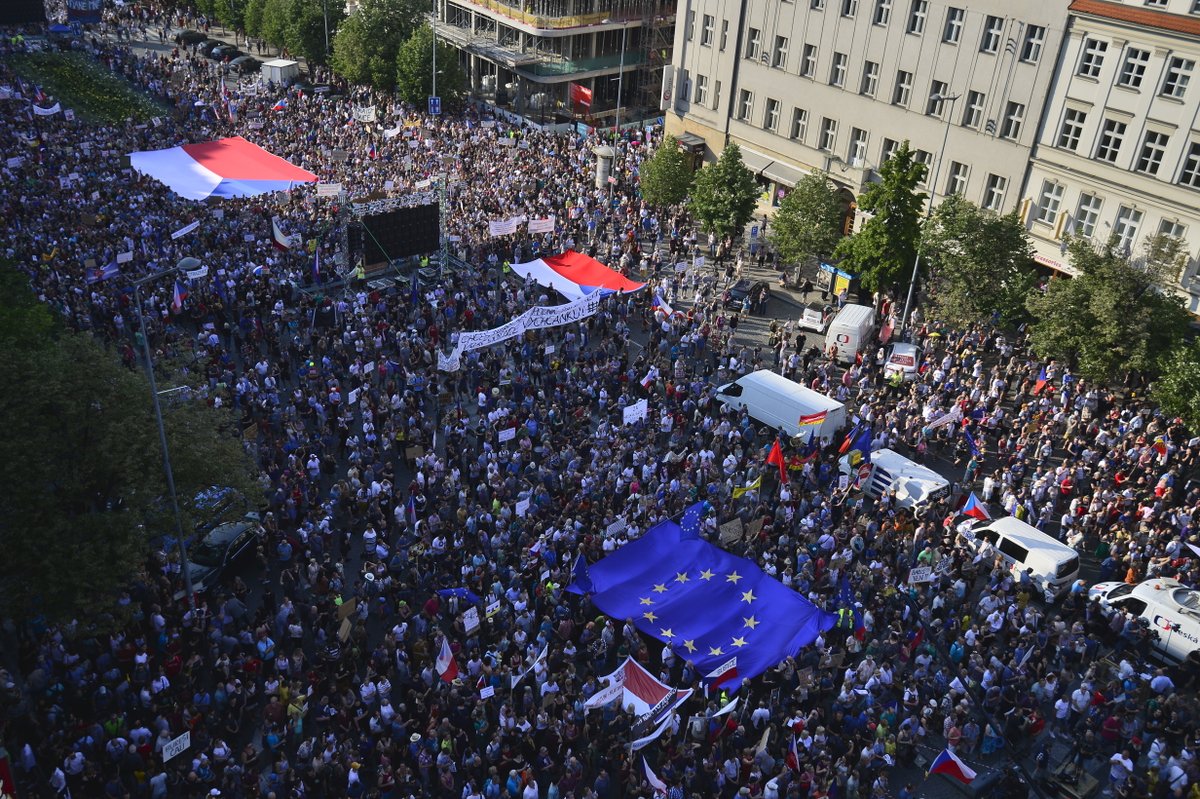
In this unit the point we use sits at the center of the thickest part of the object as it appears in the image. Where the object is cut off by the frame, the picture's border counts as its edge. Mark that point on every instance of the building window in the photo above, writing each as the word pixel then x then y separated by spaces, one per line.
pixel 706 31
pixel 917 13
pixel 926 159
pixel 1111 135
pixel 771 117
pixel 1134 68
pixel 828 134
pixel 808 64
pixel 849 8
pixel 992 27
pixel 957 182
pixel 1126 227
pixel 883 12
pixel 779 57
pixel 952 33
pixel 993 192
pixel 1154 146
pixel 1157 3
pixel 691 25
pixel 903 88
pixel 1072 128
pixel 1014 115
pixel 1196 6
pixel 973 112
pixel 1092 58
pixel 1047 210
pixel 799 124
pixel 817 5
pixel 1031 49
pixel 889 148
pixel 1190 174
pixel 724 34
pixel 1086 215
pixel 745 105
pixel 701 96
pixel 837 73
pixel 937 98
pixel 870 78
pixel 717 95
pixel 1172 228
pixel 753 43
pixel 858 146
pixel 1179 72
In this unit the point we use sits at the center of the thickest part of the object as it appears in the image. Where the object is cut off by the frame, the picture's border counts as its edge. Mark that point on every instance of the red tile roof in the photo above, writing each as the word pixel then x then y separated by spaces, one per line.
pixel 1145 17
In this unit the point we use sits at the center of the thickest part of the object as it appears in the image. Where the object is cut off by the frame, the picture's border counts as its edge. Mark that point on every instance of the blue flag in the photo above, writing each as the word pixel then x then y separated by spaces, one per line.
pixel 862 443
pixel 711 607
pixel 461 593
pixel 970 441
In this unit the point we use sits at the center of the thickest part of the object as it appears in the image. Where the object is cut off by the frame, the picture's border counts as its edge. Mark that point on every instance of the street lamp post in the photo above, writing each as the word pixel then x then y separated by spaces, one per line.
pixel 162 431
pixel 941 98
pixel 617 111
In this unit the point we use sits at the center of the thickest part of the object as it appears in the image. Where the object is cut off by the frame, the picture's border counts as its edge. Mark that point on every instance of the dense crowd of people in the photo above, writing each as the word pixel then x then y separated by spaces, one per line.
pixel 320 681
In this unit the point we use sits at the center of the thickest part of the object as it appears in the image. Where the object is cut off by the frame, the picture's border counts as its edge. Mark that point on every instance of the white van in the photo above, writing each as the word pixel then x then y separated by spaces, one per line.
pixel 1171 608
pixel 1055 565
pixel 777 402
pixel 915 485
pixel 850 331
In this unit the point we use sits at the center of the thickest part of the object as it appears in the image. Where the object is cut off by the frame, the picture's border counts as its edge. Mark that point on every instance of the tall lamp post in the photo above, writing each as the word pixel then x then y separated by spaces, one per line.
pixel 158 418
pixel 912 283
pixel 617 110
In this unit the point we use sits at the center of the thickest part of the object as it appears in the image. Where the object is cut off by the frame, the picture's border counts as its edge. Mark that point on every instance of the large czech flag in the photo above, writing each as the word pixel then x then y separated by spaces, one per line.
pixel 575 275
pixel 226 168
pixel 949 764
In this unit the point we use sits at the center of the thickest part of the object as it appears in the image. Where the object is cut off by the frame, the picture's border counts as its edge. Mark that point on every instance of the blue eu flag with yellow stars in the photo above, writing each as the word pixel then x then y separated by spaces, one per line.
pixel 708 605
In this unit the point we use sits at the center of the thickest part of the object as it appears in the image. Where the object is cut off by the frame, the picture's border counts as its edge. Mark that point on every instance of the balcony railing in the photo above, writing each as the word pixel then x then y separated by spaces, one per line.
pixel 576 66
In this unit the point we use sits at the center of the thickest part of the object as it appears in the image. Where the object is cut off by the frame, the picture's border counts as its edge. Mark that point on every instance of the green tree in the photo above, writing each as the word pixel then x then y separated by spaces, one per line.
pixel 724 194
pixel 884 248
pixel 275 18
pixel 1165 257
pixel 1111 318
pixel 368 42
pixel 666 177
pixel 1177 390
pixel 414 70
pixel 808 223
pixel 979 264
pixel 83 487
pixel 305 31
pixel 252 17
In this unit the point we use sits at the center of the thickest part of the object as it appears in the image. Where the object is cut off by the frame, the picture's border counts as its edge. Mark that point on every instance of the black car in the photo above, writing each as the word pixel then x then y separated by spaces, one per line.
pixel 244 65
pixel 755 289
pixel 224 51
pixel 189 37
pixel 206 47
pixel 216 553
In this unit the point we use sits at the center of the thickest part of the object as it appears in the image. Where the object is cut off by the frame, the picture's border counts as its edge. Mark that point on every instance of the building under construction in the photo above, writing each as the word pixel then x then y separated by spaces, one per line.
pixel 556 60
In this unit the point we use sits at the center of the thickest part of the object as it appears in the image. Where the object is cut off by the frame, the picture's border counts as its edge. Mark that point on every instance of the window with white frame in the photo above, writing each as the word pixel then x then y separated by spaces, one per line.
pixel 1031 47
pixel 1154 147
pixel 745 104
pixel 808 64
pixel 828 134
pixel 993 192
pixel 849 8
pixel 1014 117
pixel 817 5
pixel 883 12
pixel 1179 73
pixel 724 34
pixel 771 115
pixel 779 56
pixel 1156 3
pixel 917 14
pixel 1134 68
pixel 1112 133
pixel 956 181
pixel 952 33
pixel 1091 58
pixel 753 43
pixel 857 152
pixel 1172 228
pixel 992 29
pixel 1087 213
pixel 837 72
pixel 799 124
pixel 1072 128
pixel 937 98
pixel 888 150
pixel 870 78
pixel 706 30
pixel 903 91
pixel 1126 227
pixel 1048 202
pixel 701 95
pixel 1189 175
pixel 973 110
pixel 925 158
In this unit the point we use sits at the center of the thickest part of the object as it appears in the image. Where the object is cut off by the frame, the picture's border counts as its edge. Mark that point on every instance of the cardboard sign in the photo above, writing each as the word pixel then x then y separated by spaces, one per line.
pixel 176 746
pixel 346 608
pixel 344 630
pixel 492 609
pixel 754 528
pixel 731 531
pixel 507 434
pixel 920 574
pixel 471 620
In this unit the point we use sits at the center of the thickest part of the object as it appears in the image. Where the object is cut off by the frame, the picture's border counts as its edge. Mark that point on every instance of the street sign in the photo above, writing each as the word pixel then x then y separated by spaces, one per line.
pixel 435 106
pixel 176 746
pixel 754 231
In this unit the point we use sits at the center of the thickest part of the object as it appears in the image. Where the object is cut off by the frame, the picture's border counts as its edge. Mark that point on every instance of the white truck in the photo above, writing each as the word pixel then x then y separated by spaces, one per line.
pixel 914 485
pixel 779 403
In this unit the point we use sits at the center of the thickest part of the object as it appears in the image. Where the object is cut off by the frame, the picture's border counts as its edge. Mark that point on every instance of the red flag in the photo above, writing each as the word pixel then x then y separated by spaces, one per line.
pixel 776 457
pixel 447 666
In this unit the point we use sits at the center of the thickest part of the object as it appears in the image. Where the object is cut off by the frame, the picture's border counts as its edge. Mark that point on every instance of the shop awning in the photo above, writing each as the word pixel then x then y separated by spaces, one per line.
pixel 690 142
pixel 755 162
pixel 783 174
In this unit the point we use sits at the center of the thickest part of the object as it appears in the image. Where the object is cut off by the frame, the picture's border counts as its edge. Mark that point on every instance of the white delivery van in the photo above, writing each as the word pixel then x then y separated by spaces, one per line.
pixel 850 331
pixel 778 403
pixel 1171 609
pixel 915 485
pixel 1055 565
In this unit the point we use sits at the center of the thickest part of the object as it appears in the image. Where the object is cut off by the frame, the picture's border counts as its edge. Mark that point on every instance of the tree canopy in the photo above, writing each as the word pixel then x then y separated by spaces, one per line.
pixel 979 264
pixel 1112 317
pixel 368 42
pixel 666 177
pixel 808 223
pixel 724 194
pixel 1177 390
pixel 414 70
pixel 883 250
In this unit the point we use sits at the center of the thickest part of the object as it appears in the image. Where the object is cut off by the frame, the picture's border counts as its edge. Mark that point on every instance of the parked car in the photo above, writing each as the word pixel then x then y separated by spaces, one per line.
pixel 187 37
pixel 743 288
pixel 226 544
pixel 207 46
pixel 244 65
pixel 815 316
pixel 903 359
pixel 224 51
pixel 1171 609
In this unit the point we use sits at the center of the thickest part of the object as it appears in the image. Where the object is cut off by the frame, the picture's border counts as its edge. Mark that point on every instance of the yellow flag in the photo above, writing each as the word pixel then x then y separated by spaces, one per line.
pixel 739 492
